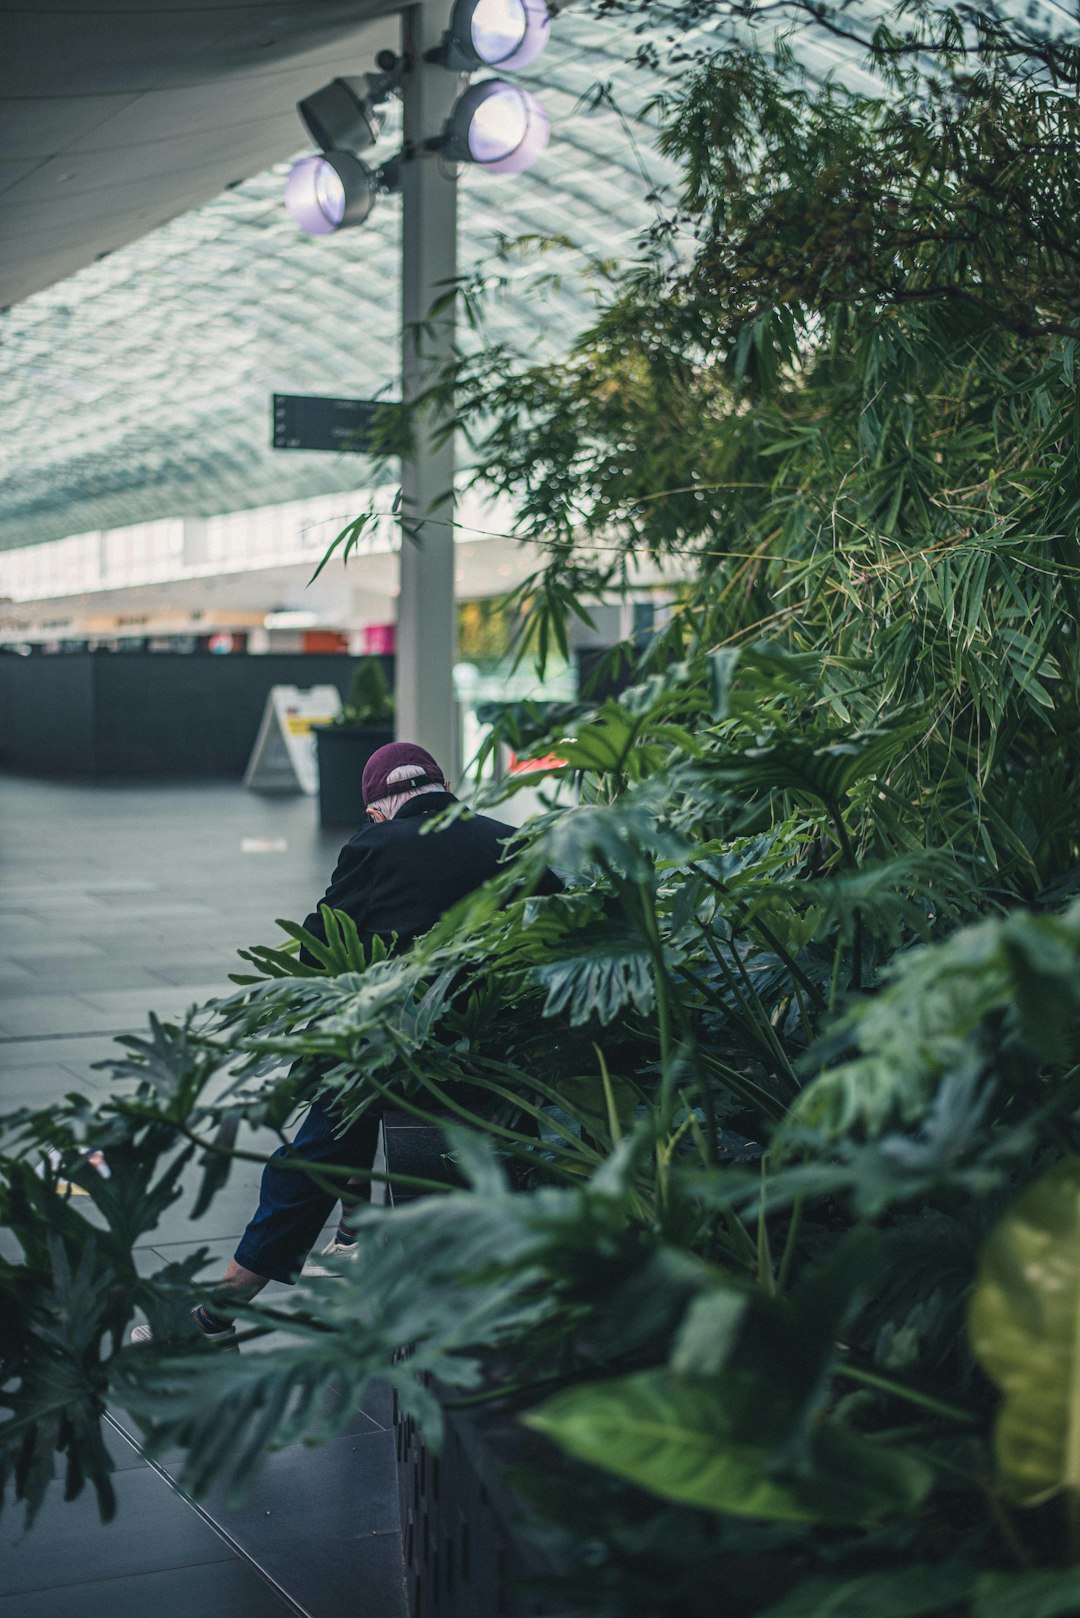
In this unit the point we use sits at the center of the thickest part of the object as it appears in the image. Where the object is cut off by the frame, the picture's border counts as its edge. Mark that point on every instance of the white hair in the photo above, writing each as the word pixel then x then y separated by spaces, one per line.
pixel 389 806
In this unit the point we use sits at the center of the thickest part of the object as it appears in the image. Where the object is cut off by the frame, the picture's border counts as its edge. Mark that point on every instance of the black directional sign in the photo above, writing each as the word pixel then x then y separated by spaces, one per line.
pixel 311 423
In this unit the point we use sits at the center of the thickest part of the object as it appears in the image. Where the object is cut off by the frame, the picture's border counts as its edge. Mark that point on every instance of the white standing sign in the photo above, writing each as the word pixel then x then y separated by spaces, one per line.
pixel 283 758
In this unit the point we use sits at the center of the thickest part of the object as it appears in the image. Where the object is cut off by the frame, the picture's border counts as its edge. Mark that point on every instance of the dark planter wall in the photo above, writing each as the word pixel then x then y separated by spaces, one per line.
pixel 466 1538
pixel 147 713
pixel 468 1549
pixel 46 713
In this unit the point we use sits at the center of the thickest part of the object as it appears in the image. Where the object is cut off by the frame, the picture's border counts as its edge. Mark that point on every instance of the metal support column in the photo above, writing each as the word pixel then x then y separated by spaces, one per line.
pixel 427 618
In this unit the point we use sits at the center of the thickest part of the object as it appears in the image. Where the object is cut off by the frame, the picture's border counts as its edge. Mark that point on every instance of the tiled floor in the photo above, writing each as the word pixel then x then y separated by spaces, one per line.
pixel 114 901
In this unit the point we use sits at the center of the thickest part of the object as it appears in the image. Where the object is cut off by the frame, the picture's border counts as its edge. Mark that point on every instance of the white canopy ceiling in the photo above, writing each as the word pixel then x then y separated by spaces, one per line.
pixel 117 116
pixel 159 294
pixel 140 386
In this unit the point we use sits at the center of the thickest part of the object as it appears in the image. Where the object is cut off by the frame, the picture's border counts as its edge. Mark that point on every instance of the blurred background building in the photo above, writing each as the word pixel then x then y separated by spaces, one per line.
pixel 155 296
pixel 143 506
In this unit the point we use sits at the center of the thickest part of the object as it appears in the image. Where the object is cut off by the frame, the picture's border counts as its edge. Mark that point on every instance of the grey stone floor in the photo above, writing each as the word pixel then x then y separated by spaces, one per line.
pixel 116 900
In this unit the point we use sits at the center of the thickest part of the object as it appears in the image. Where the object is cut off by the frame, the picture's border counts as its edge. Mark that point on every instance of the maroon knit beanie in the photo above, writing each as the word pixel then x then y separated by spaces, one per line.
pixel 385 760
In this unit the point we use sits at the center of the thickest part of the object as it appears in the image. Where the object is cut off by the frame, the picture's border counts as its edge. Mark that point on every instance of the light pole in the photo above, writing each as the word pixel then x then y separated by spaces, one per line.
pixel 501 127
pixel 427 614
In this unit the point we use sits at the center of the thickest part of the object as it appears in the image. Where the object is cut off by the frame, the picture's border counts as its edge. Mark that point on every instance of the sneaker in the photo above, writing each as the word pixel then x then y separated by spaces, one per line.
pixel 144 1334
pixel 333 1249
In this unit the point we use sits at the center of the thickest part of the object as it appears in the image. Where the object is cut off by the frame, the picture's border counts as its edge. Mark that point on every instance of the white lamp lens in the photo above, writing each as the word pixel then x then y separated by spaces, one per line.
pixel 498 125
pixel 497 28
pixel 330 193
pixel 324 194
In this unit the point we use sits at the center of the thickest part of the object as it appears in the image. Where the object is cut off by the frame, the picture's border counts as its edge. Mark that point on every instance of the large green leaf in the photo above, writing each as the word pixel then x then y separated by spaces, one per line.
pixel 1047 1594
pixel 932 1014
pixel 708 1332
pixel 614 741
pixel 1025 1328
pixel 761 672
pixel 903 1592
pixel 342 950
pixel 826 769
pixel 609 969
pixel 624 840
pixel 710 1444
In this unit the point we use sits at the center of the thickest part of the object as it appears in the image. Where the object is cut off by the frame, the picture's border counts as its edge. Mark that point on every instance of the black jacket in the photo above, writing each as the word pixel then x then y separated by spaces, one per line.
pixel 391 879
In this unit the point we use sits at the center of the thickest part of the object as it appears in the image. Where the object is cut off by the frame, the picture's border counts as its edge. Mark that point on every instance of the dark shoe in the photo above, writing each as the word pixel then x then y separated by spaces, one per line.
pixel 143 1334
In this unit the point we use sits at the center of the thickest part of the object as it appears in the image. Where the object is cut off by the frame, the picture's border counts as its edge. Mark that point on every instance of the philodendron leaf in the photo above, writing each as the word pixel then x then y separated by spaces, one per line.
pixel 825 770
pixel 608 970
pixel 1025 1328
pixel 216 1162
pixel 710 1444
pixel 1047 1594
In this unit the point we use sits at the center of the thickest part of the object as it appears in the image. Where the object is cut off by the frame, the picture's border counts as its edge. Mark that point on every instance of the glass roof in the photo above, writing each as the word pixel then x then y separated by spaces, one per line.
pixel 140 388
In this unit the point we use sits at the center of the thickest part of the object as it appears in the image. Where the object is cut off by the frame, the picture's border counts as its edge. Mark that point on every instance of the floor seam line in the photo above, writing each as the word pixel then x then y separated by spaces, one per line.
pixel 109 1578
pixel 80 1033
pixel 223 1534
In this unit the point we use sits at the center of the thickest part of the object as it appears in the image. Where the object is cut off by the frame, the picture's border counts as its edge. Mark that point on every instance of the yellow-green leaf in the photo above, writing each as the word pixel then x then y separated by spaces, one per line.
pixel 711 1444
pixel 1025 1328
pixel 1049 1593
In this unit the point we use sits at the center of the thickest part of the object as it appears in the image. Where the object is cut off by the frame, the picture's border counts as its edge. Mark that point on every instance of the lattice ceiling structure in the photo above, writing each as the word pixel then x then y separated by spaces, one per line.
pixel 140 387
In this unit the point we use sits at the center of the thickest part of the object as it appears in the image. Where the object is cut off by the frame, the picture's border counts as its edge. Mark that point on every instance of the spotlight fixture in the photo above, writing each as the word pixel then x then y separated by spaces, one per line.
pixel 341 116
pixel 495 124
pixel 334 191
pixel 498 126
pixel 494 33
pixel 344 115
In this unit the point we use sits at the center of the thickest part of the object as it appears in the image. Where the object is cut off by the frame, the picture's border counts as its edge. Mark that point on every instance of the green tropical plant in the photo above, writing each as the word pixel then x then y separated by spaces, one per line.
pixel 370 700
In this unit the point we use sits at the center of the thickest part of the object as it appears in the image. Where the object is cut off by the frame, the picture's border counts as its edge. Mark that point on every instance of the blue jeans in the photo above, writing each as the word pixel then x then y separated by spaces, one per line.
pixel 293 1208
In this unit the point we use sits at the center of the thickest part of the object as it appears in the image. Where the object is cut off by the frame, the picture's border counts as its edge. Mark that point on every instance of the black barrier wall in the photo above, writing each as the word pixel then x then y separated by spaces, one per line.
pixel 147 713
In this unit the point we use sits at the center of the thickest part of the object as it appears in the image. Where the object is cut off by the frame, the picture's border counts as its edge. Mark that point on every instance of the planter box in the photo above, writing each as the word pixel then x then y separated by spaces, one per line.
pixel 343 751
pixel 472 1548
pixel 468 1548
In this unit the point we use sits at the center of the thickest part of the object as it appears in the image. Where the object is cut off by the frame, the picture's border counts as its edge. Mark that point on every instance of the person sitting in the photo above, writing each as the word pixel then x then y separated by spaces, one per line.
pixel 394 879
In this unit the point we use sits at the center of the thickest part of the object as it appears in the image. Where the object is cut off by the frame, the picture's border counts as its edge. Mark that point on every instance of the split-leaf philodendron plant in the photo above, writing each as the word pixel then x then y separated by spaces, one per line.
pixel 765 1201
